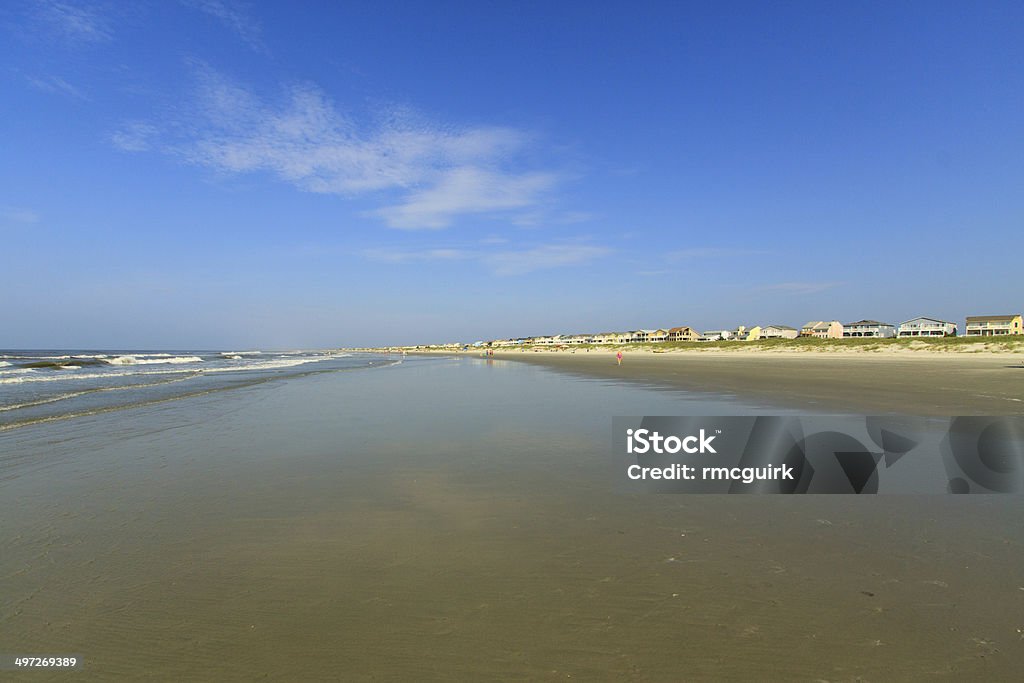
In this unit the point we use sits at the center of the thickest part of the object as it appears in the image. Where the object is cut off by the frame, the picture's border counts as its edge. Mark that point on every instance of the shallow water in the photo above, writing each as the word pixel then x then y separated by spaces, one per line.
pixel 454 519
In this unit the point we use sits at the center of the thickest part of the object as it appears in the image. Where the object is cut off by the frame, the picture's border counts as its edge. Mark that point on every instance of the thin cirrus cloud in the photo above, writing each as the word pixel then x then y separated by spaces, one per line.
pixel 16 214
pixel 416 256
pixel 234 16
pixel 136 136
pixel 55 85
pixel 798 287
pixel 423 176
pixel 696 253
pixel 75 22
pixel 505 262
pixel 543 257
pixel 465 190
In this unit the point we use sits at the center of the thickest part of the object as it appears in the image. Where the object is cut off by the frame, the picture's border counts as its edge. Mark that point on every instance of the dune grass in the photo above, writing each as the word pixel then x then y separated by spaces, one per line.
pixel 1010 344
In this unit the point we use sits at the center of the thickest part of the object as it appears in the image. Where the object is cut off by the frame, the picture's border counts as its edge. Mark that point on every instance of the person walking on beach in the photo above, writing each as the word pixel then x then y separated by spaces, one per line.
pixel 618 357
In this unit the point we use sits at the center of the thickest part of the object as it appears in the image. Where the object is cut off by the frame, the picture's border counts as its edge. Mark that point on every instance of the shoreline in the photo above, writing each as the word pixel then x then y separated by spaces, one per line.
pixel 916 384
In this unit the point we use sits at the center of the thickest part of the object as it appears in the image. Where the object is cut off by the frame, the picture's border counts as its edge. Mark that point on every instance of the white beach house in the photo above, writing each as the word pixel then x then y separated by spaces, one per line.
pixel 927 327
pixel 716 335
pixel 613 337
pixel 869 328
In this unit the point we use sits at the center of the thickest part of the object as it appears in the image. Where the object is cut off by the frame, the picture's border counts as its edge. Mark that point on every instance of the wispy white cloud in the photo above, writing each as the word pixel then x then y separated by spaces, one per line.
pixel 55 85
pixel 543 257
pixel 570 217
pixel 466 190
pixel 235 16
pixel 136 136
pixel 541 218
pixel 505 262
pixel 798 287
pixel 422 176
pixel 698 253
pixel 15 214
pixel 76 22
pixel 384 255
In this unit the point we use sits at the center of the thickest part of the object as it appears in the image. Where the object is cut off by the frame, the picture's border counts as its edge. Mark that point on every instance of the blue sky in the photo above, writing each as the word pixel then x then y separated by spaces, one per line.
pixel 209 173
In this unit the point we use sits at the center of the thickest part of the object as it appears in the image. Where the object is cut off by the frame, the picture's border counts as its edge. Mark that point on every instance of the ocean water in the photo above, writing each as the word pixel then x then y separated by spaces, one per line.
pixel 41 386
pixel 454 519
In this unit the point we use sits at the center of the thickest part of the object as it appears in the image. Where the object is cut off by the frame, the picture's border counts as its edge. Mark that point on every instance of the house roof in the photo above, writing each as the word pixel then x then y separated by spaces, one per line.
pixel 870 323
pixel 1000 318
pixel 680 329
pixel 934 320
pixel 778 327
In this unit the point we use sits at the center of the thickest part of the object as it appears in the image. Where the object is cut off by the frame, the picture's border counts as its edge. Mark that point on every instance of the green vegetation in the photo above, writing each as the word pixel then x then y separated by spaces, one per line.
pixel 1010 344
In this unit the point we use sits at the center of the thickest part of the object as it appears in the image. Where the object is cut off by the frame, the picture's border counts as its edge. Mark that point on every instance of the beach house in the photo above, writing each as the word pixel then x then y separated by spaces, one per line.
pixel 649 335
pixel 678 334
pixel 778 332
pixel 741 333
pixel 716 335
pixel 869 328
pixel 992 325
pixel 613 338
pixel 927 327
pixel 745 333
pixel 822 329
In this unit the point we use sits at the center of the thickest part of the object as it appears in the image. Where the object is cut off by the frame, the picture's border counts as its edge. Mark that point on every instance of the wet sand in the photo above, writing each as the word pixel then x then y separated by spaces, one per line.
pixel 924 384
pixel 453 520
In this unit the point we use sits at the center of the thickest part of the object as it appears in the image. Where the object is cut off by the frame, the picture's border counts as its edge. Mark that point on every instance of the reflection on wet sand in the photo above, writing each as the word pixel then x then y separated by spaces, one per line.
pixel 362 527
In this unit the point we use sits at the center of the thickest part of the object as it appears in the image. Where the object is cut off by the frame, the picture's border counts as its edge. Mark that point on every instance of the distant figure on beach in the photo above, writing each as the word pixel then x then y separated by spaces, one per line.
pixel 618 357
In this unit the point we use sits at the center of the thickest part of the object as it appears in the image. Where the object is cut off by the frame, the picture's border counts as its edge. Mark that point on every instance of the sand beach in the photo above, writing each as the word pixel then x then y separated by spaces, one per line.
pixel 914 383
pixel 448 518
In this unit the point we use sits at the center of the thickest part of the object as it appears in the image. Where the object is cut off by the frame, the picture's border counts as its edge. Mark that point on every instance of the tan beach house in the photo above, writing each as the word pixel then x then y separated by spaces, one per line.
pixel 779 332
pixel 927 327
pixel 992 325
pixel 869 328
pixel 678 334
pixel 823 329
pixel 650 335
pixel 612 338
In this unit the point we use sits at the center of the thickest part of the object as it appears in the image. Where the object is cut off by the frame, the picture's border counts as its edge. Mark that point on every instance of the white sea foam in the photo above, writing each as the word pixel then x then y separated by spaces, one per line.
pixel 154 359
pixel 128 363
pixel 269 364
pixel 16 371
pixel 4 364
pixel 76 394
pixel 274 364
pixel 232 354
pixel 57 377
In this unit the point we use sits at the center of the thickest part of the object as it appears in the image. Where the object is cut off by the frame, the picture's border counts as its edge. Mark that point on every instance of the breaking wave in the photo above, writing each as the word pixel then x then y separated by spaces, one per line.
pixel 154 359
